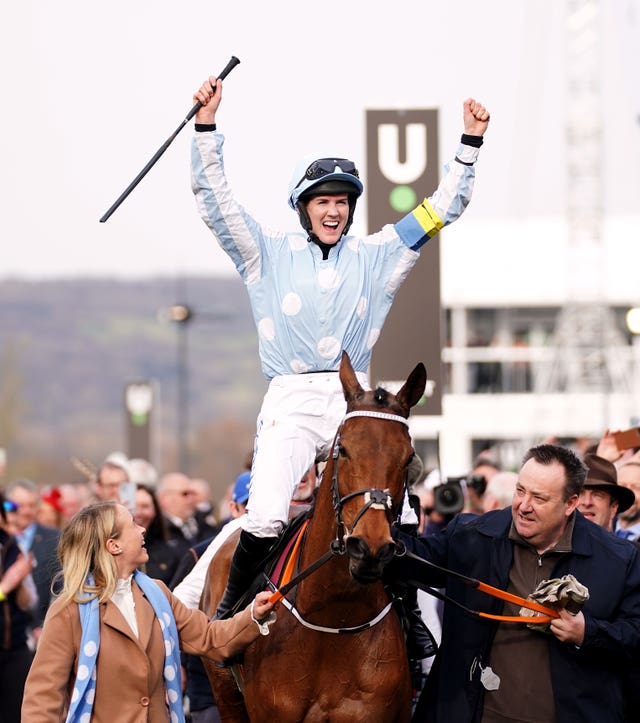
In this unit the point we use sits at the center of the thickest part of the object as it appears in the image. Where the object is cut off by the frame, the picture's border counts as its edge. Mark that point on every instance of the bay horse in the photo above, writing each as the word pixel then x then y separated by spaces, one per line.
pixel 305 670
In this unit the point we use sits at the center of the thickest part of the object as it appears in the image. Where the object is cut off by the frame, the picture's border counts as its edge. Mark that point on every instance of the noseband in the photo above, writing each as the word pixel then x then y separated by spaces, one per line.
pixel 373 498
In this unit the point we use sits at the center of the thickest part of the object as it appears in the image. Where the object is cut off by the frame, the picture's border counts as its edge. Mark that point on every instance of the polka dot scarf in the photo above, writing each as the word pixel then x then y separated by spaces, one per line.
pixel 84 688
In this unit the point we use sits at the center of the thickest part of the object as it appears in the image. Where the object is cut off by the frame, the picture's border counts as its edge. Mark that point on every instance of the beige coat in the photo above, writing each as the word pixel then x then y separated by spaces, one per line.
pixel 130 683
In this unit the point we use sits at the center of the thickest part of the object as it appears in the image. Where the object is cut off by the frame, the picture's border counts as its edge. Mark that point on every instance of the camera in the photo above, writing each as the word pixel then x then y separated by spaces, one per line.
pixel 448 498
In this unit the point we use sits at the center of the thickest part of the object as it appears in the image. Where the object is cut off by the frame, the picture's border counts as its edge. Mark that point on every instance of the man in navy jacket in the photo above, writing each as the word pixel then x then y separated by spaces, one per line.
pixel 37 539
pixel 488 671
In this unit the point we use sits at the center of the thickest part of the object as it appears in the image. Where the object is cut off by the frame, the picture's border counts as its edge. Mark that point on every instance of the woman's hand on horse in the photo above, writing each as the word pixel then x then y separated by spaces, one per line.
pixel 261 606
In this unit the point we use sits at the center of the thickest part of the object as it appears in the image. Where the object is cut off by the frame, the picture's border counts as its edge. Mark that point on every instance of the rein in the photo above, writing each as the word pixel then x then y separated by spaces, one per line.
pixel 546 613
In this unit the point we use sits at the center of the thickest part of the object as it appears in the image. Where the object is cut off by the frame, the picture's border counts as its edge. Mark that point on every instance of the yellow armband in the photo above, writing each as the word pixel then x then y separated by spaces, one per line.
pixel 428 219
pixel 3 597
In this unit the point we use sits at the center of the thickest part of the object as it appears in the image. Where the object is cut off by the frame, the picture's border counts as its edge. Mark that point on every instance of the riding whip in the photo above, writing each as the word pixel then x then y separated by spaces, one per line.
pixel 223 74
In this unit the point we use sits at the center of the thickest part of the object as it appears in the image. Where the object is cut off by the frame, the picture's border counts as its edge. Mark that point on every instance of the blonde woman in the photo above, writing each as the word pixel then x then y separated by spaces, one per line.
pixel 109 649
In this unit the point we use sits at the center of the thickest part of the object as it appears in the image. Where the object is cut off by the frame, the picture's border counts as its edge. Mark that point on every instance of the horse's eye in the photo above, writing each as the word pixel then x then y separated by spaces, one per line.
pixel 342 451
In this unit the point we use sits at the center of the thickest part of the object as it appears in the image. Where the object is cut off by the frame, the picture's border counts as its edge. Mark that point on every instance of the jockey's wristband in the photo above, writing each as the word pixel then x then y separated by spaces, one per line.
pixel 202 127
pixel 475 141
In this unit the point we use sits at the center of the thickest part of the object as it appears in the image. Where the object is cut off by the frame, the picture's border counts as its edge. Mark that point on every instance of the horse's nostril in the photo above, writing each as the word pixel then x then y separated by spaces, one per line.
pixel 386 553
pixel 357 548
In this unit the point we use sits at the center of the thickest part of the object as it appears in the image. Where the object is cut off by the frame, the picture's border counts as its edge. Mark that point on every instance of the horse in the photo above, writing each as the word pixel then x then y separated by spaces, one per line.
pixel 305 670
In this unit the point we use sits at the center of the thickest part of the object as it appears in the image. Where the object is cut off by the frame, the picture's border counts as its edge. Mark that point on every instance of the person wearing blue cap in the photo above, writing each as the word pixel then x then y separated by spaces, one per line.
pixel 313 296
pixel 240 492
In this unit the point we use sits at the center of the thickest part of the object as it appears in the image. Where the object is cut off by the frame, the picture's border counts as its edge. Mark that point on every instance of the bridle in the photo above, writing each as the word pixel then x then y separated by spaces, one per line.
pixel 375 499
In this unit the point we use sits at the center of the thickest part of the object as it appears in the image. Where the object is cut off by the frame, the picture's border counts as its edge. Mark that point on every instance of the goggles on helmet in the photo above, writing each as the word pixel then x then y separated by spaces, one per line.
pixel 324 166
pixel 311 172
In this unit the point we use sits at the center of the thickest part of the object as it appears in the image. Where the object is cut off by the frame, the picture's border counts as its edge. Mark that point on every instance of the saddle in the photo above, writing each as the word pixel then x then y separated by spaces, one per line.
pixel 274 565
pixel 270 573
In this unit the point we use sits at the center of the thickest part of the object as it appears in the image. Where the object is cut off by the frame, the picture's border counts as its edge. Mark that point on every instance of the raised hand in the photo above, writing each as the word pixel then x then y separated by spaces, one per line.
pixel 475 116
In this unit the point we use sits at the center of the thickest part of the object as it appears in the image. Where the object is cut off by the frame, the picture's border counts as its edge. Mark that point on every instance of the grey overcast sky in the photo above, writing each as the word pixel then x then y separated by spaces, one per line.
pixel 91 90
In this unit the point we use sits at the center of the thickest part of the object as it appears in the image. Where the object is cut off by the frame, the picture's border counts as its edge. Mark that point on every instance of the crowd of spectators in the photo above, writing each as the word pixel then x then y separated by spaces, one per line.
pixel 534 516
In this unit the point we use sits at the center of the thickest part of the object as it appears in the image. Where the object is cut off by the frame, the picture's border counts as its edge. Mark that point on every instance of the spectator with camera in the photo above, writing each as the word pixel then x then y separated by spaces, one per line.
pixel 456 494
pixel 483 470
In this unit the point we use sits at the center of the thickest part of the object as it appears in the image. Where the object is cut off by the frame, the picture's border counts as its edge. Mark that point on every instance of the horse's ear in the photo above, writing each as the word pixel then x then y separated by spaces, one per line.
pixel 413 389
pixel 350 384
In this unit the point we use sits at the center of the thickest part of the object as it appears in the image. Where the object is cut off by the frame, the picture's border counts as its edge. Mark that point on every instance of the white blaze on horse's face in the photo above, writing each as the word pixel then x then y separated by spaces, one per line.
pixel 388 505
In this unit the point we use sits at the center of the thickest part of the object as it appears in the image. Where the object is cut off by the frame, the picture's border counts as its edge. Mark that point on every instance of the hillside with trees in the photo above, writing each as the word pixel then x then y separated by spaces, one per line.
pixel 69 347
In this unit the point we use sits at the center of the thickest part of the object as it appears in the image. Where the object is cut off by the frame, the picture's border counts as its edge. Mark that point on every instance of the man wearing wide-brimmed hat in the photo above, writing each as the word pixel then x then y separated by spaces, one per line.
pixel 628 522
pixel 602 498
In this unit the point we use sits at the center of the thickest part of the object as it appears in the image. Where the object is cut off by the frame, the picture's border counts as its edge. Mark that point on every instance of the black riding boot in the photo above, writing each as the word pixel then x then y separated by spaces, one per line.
pixel 245 563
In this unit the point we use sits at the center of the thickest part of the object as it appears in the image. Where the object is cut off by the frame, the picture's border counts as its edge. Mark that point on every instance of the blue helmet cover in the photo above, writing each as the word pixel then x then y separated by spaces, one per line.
pixel 298 185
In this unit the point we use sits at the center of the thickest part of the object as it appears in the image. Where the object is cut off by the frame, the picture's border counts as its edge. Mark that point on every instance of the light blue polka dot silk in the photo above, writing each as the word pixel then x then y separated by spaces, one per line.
pixel 84 688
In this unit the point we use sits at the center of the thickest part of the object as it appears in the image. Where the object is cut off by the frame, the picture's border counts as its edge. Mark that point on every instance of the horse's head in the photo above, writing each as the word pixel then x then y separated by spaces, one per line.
pixel 371 455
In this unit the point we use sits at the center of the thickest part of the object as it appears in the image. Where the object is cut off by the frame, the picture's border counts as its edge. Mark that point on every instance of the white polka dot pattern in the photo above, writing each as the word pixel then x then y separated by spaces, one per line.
pixel 328 278
pixel 330 282
pixel 291 304
pixel 91 648
pixel 299 367
pixel 297 242
pixel 373 338
pixel 84 689
pixel 329 347
pixel 266 329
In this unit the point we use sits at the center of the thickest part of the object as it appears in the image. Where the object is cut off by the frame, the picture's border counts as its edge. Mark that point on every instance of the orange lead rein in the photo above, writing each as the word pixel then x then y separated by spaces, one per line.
pixel 529 604
pixel 538 620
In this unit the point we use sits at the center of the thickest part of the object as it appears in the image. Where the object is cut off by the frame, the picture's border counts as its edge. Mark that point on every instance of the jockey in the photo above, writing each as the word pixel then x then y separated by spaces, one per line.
pixel 313 295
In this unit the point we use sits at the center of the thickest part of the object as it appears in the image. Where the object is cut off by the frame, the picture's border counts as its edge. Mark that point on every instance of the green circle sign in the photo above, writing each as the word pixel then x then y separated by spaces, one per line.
pixel 402 199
